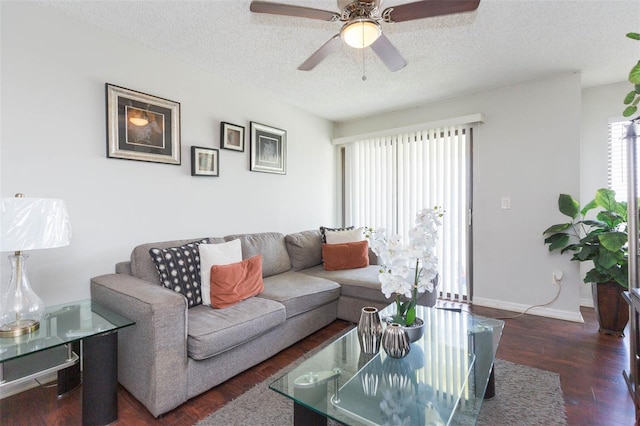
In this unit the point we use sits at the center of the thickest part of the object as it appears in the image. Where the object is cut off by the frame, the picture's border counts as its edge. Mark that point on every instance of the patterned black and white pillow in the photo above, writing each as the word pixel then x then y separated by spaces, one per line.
pixel 323 229
pixel 179 270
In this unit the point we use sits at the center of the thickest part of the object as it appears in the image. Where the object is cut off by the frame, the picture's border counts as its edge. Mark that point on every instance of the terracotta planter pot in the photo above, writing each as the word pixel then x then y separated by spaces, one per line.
pixel 612 310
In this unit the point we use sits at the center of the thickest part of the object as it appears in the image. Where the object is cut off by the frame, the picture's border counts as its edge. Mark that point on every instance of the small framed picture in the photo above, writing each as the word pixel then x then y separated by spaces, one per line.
pixel 204 161
pixel 268 149
pixel 231 137
pixel 142 127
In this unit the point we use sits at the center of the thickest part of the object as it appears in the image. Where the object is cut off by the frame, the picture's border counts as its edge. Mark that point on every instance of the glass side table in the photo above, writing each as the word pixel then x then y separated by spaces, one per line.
pixel 68 332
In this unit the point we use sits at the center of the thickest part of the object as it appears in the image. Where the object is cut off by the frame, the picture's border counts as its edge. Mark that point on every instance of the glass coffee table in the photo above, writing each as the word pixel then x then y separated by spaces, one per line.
pixel 442 381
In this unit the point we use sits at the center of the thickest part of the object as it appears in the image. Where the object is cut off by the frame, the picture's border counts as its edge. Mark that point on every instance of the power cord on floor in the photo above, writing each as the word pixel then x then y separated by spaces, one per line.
pixel 535 306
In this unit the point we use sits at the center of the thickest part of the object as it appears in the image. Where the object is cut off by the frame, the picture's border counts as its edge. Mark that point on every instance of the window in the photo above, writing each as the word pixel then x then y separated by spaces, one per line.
pixel 388 179
pixel 617 161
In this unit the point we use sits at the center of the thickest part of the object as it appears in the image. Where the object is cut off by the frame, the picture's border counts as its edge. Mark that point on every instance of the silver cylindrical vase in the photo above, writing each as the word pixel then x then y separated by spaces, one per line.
pixel 395 341
pixel 369 330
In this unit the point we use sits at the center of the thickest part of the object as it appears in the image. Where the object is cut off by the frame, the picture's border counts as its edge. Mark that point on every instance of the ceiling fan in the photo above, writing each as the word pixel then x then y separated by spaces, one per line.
pixel 362 24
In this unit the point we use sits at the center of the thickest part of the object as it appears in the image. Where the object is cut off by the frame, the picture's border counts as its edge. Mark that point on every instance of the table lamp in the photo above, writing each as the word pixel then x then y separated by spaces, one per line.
pixel 27 224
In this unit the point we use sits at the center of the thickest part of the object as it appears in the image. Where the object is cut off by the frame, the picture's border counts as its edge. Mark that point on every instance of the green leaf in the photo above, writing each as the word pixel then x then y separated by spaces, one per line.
pixel 594 223
pixel 622 210
pixel 557 228
pixel 590 206
pixel 570 247
pixel 634 36
pixel 638 89
pixel 568 206
pixel 613 241
pixel 606 198
pixel 411 316
pixel 605 259
pixel 634 74
pixel 557 241
pixel 630 97
pixel 629 111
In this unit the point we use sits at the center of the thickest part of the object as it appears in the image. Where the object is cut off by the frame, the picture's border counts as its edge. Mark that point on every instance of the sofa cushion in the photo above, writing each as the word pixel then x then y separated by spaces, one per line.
pixel 179 270
pixel 305 249
pixel 361 283
pixel 142 265
pixel 345 256
pixel 347 236
pixel 270 245
pixel 235 282
pixel 299 292
pixel 324 229
pixel 213 331
pixel 216 254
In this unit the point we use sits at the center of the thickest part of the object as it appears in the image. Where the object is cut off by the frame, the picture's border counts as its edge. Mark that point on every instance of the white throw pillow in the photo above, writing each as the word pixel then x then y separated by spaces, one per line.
pixel 216 254
pixel 347 236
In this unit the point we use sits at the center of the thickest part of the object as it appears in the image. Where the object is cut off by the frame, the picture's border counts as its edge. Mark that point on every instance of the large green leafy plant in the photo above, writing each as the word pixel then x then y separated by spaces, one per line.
pixel 633 97
pixel 602 240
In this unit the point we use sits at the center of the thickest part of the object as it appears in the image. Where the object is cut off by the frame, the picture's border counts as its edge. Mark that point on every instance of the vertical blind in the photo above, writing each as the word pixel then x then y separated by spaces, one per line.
pixel 617 159
pixel 388 179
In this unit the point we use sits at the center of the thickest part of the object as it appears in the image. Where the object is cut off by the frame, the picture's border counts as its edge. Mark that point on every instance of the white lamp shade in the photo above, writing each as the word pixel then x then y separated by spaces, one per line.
pixel 33 223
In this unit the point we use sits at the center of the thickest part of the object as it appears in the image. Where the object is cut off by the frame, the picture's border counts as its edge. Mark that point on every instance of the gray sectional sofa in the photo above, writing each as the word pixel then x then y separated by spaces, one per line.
pixel 174 353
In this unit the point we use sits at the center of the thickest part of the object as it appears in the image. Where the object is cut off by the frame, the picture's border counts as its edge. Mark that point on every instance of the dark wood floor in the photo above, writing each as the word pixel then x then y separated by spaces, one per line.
pixel 590 367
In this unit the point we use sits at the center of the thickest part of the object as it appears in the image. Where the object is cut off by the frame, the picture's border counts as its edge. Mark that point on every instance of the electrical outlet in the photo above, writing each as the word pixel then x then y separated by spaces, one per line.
pixel 557 277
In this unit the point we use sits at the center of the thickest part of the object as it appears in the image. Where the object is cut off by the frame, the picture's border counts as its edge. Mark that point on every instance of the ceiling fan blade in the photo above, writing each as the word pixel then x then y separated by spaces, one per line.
pixel 388 53
pixel 291 10
pixel 318 56
pixel 427 9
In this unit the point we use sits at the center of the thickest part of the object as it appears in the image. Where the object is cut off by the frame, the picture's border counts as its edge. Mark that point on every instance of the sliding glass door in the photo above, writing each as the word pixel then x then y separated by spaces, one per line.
pixel 388 179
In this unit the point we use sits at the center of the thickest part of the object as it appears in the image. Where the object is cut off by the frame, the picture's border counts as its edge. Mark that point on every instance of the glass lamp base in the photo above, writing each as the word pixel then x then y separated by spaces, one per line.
pixel 18 328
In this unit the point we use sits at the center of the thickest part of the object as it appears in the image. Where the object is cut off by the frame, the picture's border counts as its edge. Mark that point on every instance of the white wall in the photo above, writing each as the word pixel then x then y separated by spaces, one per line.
pixel 528 149
pixel 53 140
pixel 599 104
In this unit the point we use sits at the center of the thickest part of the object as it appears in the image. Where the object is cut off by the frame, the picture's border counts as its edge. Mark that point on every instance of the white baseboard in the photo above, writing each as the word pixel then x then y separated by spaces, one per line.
pixel 13 389
pixel 517 307
pixel 587 302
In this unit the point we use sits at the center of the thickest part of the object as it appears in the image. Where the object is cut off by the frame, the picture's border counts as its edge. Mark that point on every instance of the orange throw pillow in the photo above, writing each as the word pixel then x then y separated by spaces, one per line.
pixel 233 283
pixel 345 255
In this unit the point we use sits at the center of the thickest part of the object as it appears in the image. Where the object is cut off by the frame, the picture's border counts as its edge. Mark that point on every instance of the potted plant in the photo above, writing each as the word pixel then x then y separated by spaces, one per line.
pixel 407 270
pixel 633 97
pixel 603 241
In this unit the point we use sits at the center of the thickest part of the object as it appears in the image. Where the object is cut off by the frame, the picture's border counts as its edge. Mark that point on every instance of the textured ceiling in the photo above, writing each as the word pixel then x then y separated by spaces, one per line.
pixel 504 42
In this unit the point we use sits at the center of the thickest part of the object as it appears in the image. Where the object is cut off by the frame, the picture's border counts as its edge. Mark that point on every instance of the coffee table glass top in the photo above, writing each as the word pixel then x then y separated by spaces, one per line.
pixel 441 381
pixel 63 324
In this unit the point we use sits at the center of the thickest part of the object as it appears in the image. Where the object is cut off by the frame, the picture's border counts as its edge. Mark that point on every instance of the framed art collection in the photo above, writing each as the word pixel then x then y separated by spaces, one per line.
pixel 204 161
pixel 268 149
pixel 231 137
pixel 142 127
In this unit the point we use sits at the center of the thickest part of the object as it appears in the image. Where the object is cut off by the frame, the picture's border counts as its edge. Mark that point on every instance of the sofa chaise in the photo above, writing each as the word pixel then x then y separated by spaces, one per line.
pixel 175 352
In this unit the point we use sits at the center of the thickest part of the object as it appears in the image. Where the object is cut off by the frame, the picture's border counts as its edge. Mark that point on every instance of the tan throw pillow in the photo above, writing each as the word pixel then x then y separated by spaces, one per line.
pixel 344 236
pixel 233 283
pixel 324 229
pixel 345 256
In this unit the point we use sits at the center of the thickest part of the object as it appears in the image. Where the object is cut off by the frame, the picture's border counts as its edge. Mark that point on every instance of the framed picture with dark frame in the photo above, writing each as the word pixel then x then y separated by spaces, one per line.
pixel 142 127
pixel 268 149
pixel 205 161
pixel 231 137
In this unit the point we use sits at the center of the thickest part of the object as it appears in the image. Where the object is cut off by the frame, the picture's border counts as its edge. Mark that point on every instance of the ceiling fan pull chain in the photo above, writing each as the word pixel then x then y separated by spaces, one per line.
pixel 364 76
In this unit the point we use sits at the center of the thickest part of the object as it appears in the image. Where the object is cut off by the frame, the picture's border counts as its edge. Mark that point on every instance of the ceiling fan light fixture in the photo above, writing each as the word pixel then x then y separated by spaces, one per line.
pixel 360 33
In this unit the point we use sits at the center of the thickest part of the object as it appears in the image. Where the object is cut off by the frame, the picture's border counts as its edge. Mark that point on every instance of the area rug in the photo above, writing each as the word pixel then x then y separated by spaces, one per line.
pixel 525 396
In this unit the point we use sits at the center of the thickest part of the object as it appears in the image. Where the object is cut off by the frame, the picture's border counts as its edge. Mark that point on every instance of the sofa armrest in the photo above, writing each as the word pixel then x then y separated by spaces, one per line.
pixel 152 354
